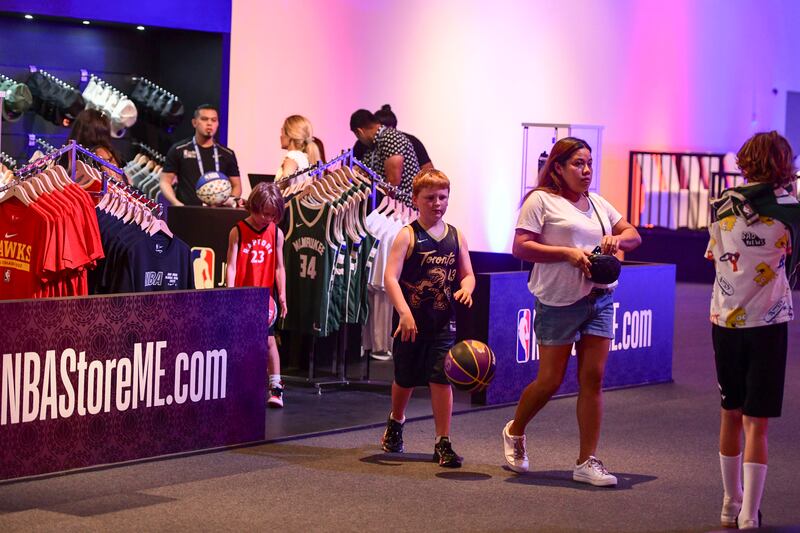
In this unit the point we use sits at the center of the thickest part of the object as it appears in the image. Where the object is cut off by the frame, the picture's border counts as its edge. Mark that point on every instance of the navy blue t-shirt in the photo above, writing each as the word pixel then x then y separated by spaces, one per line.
pixel 153 263
pixel 138 262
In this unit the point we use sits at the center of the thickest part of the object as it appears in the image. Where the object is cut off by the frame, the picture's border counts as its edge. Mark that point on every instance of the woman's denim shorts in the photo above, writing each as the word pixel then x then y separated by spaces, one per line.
pixel 591 315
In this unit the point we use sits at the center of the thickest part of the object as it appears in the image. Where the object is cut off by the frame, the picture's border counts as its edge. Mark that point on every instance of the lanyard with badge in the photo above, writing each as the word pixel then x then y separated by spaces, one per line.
pixel 200 159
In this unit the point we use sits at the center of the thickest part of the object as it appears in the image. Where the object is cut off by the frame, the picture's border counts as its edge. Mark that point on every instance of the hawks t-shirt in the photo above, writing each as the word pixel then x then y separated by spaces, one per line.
pixel 23 251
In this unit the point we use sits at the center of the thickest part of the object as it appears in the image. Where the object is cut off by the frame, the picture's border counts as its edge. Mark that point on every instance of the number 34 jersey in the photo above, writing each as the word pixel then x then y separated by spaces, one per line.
pixel 309 256
pixel 255 264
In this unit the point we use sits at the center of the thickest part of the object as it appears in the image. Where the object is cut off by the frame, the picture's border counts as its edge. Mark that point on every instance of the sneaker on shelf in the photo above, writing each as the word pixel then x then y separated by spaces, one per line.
pixel 749 524
pixel 275 396
pixel 392 440
pixel 444 455
pixel 730 511
pixel 381 356
pixel 593 472
pixel 514 450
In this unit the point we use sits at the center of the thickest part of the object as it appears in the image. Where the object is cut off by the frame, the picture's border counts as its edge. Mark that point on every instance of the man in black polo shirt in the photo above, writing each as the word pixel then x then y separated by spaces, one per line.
pixel 389 152
pixel 189 159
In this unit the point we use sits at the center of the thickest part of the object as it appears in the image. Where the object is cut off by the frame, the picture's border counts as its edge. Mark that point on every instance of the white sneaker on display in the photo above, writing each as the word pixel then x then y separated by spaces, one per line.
pixel 514 450
pixel 730 510
pixel 594 473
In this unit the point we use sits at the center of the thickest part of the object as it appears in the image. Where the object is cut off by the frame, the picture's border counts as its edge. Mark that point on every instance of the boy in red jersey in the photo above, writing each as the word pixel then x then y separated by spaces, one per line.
pixel 255 259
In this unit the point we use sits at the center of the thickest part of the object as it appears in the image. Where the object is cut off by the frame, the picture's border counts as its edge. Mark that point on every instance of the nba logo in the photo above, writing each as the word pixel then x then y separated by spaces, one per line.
pixel 523 335
pixel 203 266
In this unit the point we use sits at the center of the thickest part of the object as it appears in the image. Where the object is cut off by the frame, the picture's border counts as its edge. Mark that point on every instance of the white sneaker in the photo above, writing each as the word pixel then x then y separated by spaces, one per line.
pixel 749 524
pixel 381 356
pixel 515 453
pixel 730 510
pixel 275 396
pixel 593 472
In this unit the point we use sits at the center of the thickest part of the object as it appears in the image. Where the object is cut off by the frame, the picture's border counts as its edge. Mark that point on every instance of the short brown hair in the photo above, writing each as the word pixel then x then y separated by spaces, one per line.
pixel 430 177
pixel 266 198
pixel 767 158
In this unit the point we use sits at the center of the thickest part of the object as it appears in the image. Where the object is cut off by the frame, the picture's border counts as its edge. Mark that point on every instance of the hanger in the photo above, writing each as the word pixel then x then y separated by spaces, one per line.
pixel 19 193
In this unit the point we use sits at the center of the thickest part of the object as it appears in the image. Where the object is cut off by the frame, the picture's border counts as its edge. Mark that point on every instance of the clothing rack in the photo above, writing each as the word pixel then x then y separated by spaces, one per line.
pixel 149 83
pixel 9 162
pixel 44 145
pixel 52 78
pixel 73 149
pixel 104 84
pixel 151 152
pixel 346 158
pixel 154 207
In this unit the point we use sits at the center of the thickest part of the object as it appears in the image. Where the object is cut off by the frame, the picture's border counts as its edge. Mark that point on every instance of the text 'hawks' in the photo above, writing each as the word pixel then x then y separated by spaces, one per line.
pixel 15 255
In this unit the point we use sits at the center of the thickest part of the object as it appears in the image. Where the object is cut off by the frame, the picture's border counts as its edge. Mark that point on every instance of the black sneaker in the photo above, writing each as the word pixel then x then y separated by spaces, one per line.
pixel 443 454
pixel 392 440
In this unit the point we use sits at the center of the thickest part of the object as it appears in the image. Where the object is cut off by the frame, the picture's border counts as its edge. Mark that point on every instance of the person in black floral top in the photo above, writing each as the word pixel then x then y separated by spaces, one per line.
pixel 390 153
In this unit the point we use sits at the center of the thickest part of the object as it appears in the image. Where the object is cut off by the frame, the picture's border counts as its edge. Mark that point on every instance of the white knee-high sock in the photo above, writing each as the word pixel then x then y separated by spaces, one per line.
pixel 755 476
pixel 731 468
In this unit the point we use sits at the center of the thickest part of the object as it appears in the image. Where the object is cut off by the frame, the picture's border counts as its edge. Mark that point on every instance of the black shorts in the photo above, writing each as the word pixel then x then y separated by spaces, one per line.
pixel 751 368
pixel 421 362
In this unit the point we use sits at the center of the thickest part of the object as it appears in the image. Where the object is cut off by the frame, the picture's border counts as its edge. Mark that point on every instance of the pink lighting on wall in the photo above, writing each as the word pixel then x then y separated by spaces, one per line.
pixel 463 75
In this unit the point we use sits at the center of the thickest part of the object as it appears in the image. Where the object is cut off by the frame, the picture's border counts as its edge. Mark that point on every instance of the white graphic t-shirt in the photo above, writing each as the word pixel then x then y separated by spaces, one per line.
pixel 751 288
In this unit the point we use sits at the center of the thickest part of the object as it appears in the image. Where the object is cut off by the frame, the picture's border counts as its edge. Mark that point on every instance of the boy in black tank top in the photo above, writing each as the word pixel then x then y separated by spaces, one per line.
pixel 427 270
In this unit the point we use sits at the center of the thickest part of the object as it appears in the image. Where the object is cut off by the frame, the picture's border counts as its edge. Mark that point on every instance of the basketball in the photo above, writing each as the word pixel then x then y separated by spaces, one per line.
pixel 469 366
pixel 273 312
pixel 213 188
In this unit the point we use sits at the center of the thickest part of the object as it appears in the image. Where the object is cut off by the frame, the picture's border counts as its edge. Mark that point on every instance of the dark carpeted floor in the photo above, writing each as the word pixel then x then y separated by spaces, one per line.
pixel 661 441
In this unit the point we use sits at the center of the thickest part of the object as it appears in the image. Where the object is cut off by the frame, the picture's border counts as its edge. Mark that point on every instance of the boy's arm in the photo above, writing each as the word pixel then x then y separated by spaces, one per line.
pixel 280 273
pixel 464 294
pixel 233 252
pixel 391 280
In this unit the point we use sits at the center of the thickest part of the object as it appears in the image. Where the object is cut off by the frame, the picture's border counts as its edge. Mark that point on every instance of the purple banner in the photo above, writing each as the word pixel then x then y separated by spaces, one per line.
pixel 105 379
pixel 641 351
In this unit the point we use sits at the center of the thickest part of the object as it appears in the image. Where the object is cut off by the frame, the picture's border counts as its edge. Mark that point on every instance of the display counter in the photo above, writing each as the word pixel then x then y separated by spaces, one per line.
pixel 205 230
pixel 641 351
pixel 106 379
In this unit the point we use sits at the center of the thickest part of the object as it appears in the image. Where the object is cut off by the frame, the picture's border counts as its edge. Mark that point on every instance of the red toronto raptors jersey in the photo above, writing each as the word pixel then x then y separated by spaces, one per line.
pixel 255 263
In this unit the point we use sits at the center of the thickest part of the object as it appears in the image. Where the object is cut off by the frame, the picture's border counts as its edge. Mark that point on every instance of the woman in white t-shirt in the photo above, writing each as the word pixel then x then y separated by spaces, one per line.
pixel 297 137
pixel 559 225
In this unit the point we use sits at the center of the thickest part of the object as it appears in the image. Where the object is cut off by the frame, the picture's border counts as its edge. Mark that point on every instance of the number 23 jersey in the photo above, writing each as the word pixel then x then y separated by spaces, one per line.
pixel 255 262
pixel 309 256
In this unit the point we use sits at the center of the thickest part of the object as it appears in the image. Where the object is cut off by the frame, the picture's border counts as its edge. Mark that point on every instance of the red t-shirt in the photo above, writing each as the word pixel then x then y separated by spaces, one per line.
pixel 255 262
pixel 23 250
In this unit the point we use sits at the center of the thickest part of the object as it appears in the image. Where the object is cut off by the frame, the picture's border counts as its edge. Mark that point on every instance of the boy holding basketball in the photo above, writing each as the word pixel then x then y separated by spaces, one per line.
pixel 255 259
pixel 428 268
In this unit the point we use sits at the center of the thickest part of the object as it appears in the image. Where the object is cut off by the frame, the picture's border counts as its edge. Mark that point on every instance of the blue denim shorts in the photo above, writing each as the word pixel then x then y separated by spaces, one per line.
pixel 591 315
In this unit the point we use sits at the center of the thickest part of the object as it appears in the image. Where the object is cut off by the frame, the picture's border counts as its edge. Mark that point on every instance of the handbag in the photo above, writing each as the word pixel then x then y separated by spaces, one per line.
pixel 605 268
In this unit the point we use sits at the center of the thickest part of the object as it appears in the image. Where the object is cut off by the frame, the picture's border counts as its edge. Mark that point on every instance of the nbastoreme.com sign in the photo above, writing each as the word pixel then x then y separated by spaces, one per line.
pixel 105 379
pixel 61 385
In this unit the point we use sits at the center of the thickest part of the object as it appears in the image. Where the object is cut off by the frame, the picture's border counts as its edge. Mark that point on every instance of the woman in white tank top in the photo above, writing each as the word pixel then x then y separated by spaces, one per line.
pixel 297 137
